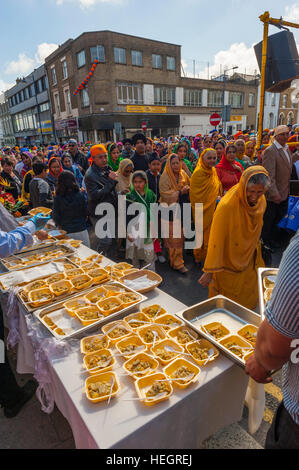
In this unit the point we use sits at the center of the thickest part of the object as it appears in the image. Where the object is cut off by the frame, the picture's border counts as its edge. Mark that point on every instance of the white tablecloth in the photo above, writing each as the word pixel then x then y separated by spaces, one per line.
pixel 183 421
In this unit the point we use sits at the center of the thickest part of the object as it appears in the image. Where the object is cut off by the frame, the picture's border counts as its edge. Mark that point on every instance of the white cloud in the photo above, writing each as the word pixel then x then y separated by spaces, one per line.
pixel 237 55
pixel 5 86
pixel 292 13
pixel 88 3
pixel 43 51
pixel 24 64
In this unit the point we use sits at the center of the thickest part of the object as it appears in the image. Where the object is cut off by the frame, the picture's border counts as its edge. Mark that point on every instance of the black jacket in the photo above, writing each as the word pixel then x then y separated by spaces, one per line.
pixel 40 193
pixel 140 162
pixel 99 187
pixel 153 183
pixel 15 184
pixel 70 212
pixel 81 160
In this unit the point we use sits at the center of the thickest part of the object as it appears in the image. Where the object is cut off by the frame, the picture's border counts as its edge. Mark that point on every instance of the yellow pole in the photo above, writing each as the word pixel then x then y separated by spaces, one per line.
pixel 265 19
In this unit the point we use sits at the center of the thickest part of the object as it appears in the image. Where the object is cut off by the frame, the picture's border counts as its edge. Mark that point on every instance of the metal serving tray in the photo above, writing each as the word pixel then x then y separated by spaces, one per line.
pixel 10 273
pixel 262 273
pixel 75 324
pixel 68 251
pixel 221 309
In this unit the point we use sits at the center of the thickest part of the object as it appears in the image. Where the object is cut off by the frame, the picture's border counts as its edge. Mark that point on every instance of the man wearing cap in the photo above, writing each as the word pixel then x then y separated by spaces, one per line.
pixel 278 161
pixel 127 152
pixel 100 183
pixel 78 157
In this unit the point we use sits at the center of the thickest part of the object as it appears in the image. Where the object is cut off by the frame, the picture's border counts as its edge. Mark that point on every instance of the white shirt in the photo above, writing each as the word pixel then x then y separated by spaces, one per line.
pixel 285 149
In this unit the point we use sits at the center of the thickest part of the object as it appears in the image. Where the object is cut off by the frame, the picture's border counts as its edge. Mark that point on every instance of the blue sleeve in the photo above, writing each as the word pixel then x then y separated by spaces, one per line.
pixel 11 242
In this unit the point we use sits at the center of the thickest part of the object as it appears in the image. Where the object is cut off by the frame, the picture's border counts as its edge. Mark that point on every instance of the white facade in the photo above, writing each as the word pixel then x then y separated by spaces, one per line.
pixel 271 109
pixel 192 124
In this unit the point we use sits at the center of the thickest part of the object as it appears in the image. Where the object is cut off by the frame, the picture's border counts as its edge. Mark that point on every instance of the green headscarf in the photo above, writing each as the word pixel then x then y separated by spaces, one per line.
pixel 148 198
pixel 113 166
pixel 186 160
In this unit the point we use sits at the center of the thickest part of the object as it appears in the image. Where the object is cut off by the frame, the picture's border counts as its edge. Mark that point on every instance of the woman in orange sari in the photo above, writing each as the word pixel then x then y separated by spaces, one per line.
pixel 205 188
pixel 234 250
pixel 174 188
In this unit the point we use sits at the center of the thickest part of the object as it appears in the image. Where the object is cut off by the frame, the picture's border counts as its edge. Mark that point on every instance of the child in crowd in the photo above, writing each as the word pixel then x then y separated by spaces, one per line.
pixel 153 175
pixel 39 189
pixel 141 248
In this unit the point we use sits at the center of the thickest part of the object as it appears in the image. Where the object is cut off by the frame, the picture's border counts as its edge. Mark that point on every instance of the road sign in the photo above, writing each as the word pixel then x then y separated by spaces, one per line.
pixel 144 126
pixel 215 119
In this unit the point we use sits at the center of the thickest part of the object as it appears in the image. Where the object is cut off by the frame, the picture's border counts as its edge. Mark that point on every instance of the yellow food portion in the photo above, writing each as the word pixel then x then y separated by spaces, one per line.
pixel 183 372
pixel 157 388
pixel 184 337
pixel 100 361
pixel 198 353
pixel 165 355
pixel 138 366
pixel 117 332
pixel 109 305
pixel 153 311
pixel 130 348
pixel 216 331
pixel 233 347
pixel 250 337
pixel 89 313
pixel 96 343
pixel 149 336
pixel 99 389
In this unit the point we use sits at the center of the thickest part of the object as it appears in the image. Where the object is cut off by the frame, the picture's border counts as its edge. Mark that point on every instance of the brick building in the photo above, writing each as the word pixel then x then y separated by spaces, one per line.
pixel 137 82
pixel 288 109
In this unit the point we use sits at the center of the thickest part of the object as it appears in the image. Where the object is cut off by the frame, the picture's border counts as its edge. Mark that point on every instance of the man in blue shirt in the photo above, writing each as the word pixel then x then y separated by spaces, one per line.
pixel 13 397
pixel 277 346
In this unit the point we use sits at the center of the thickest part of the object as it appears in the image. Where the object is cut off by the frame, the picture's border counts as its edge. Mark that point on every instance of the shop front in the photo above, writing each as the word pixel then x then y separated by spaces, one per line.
pixel 66 129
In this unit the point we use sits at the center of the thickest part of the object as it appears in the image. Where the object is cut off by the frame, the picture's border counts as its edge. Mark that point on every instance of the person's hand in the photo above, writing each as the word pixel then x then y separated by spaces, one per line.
pixel 42 235
pixel 185 189
pixel 82 190
pixel 236 167
pixel 130 238
pixel 256 371
pixel 205 279
pixel 277 199
pixel 40 221
pixel 112 175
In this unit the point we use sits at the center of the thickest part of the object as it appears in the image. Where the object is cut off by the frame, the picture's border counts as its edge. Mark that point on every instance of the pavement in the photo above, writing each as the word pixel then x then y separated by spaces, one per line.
pixel 33 429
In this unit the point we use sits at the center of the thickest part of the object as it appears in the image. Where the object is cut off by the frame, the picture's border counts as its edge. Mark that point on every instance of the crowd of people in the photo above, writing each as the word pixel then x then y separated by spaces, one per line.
pixel 244 191
pixel 249 185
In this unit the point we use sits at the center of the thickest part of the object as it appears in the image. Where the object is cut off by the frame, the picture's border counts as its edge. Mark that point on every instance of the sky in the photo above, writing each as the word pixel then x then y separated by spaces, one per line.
pixel 219 32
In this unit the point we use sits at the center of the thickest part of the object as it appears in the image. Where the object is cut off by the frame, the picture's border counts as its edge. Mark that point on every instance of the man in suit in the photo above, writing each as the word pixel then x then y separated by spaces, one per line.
pixel 277 159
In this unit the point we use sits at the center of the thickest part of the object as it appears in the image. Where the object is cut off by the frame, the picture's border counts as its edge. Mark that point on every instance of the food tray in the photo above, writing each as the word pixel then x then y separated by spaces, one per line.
pixel 72 325
pixel 67 251
pixel 220 309
pixel 151 275
pixel 262 273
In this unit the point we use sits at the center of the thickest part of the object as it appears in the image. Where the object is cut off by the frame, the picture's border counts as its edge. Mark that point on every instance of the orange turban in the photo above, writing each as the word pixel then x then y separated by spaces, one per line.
pixel 97 150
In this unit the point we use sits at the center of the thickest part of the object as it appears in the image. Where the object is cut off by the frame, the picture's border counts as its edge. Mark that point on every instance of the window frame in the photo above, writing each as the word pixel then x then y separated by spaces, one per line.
pixel 137 54
pixel 167 96
pixel 125 55
pixel 57 104
pixel 132 91
pixel 65 71
pixel 215 103
pixel 54 76
pixel 233 94
pixel 167 63
pixel 83 104
pixel 68 103
pixel 82 52
pixel 251 103
pixel 192 93
pixel 101 60
pixel 154 66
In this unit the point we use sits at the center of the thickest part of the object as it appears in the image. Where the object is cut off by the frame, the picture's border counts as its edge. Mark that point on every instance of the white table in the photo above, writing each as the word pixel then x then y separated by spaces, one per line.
pixel 183 421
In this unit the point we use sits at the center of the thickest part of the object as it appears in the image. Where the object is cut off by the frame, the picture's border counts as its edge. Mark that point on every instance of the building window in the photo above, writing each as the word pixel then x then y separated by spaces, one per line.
pixel 57 103
pixel 272 102
pixel 236 100
pixel 26 91
pixel 22 95
pixel 215 98
pixel 192 97
pixel 54 77
pixel 157 61
pixel 251 100
pixel 85 98
pixel 165 96
pixel 170 63
pixel 81 61
pixel 120 55
pixel 64 69
pixel 137 58
pixel 39 86
pixel 10 102
pixel 284 101
pixel 129 93
pixel 97 52
pixel 44 107
pixel 68 102
pixel 281 119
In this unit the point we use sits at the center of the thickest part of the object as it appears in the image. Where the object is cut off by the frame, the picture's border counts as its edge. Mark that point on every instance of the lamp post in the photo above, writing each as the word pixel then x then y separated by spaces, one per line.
pixel 223 96
pixel 37 107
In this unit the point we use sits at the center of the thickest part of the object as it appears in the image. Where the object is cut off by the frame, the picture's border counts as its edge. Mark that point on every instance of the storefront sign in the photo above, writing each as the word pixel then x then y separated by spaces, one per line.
pixel 66 124
pixel 46 127
pixel 146 109
pixel 236 118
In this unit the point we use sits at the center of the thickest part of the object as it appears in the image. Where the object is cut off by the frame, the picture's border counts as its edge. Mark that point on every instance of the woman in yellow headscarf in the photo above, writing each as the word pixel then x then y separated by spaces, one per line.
pixel 205 187
pixel 250 150
pixel 174 188
pixel 234 250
